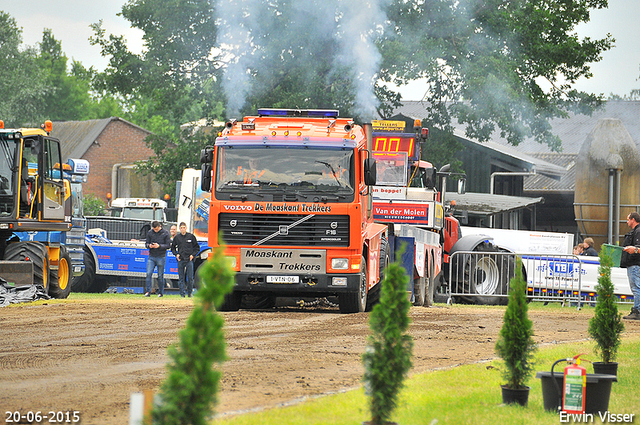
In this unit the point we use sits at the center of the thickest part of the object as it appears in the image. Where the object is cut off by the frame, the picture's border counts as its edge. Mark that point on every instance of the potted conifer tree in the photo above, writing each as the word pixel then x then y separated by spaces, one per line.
pixel 606 324
pixel 387 359
pixel 515 343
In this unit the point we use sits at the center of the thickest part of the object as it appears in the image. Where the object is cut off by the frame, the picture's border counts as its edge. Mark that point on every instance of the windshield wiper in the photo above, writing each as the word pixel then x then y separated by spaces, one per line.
pixel 333 172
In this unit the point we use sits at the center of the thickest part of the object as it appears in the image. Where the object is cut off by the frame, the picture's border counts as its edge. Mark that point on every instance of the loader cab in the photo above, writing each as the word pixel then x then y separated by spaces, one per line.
pixel 31 184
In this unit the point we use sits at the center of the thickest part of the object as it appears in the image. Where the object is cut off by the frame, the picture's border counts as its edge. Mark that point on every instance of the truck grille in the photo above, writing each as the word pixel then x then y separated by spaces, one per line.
pixel 319 230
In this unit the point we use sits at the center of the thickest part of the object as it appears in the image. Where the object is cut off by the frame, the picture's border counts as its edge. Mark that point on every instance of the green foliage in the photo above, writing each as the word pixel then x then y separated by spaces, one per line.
pixel 606 325
pixel 92 205
pixel 484 62
pixel 173 154
pixel 387 359
pixel 189 392
pixel 515 343
pixel 22 84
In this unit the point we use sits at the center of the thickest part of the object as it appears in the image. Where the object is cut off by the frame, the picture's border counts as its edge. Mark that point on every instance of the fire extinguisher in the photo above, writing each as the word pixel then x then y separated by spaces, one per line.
pixel 575 386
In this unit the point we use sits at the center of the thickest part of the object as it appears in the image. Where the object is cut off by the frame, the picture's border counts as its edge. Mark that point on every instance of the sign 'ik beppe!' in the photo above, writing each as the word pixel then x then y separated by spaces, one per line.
pixel 400 212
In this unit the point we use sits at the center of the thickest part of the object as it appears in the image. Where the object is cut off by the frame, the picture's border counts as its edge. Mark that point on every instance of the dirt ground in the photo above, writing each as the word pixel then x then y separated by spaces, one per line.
pixel 89 356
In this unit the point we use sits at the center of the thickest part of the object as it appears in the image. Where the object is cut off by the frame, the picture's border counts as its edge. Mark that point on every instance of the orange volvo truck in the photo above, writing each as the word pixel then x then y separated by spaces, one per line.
pixel 291 199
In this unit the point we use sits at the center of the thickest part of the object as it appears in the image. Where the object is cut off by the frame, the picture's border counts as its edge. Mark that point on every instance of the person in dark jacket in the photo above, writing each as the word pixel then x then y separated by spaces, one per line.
pixel 630 259
pixel 588 248
pixel 185 247
pixel 158 241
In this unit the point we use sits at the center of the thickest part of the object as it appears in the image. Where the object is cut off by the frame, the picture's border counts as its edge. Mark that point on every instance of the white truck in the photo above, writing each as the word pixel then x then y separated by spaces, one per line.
pixel 541 253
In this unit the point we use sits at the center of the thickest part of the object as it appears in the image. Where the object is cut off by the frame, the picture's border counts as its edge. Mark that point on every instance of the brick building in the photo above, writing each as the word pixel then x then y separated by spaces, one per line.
pixel 107 144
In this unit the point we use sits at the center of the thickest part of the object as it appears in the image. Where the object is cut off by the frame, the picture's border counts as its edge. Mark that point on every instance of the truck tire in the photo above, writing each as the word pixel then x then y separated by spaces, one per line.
pixel 60 280
pixel 419 291
pixel 89 281
pixel 35 252
pixel 258 302
pixel 439 282
pixel 356 302
pixel 231 302
pixel 428 267
pixel 81 283
pixel 487 275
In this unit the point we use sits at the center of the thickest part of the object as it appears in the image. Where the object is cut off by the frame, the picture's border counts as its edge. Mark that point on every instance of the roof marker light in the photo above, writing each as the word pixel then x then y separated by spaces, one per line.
pixel 309 113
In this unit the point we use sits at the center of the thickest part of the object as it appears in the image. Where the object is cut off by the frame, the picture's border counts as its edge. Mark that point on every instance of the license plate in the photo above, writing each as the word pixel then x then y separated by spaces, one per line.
pixel 282 279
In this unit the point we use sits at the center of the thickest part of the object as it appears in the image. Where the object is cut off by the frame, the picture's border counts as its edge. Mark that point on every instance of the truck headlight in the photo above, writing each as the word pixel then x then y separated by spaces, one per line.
pixel 340 263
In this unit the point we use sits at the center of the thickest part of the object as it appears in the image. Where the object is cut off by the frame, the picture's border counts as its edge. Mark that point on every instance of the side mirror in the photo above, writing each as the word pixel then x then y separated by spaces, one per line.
pixel 462 186
pixel 205 177
pixel 370 172
pixel 430 178
pixel 206 155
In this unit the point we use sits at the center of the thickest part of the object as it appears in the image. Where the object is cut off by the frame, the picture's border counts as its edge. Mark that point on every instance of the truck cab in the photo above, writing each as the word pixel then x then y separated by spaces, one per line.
pixel 139 208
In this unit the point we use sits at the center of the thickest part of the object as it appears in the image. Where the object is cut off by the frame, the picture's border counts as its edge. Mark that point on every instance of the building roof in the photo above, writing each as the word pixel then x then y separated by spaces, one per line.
pixel 566 183
pixel 77 136
pixel 486 204
pixel 572 130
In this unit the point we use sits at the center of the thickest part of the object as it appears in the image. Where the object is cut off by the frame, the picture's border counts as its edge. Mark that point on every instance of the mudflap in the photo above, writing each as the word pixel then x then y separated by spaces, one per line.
pixel 17 273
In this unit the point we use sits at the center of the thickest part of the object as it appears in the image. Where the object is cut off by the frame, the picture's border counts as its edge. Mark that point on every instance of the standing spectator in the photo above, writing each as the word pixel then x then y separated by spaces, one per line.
pixel 185 247
pixel 578 250
pixel 588 248
pixel 173 231
pixel 158 241
pixel 630 259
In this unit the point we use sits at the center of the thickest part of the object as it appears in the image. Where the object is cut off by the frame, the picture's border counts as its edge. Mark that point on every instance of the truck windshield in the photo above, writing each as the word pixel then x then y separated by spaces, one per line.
pixel 138 213
pixel 391 169
pixel 286 170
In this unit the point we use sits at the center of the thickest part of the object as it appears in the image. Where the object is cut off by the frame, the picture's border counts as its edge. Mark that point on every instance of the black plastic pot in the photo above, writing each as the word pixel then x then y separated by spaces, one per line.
pixel 596 397
pixel 515 396
pixel 605 368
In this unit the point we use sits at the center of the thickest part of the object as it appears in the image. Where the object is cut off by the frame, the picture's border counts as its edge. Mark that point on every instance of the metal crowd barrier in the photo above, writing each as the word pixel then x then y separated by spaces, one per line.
pixel 483 277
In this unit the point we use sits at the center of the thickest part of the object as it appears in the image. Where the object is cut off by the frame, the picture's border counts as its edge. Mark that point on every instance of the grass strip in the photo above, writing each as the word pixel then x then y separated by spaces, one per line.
pixel 467 394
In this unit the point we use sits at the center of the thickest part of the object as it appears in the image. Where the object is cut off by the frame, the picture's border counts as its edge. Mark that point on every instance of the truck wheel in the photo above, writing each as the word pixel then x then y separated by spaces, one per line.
pixel 89 281
pixel 428 267
pixel 439 282
pixel 419 291
pixel 231 302
pixel 487 275
pixel 35 252
pixel 83 282
pixel 60 280
pixel 356 302
pixel 258 302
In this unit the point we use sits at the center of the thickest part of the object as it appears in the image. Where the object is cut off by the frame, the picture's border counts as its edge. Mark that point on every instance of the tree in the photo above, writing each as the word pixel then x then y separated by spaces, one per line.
pixel 387 359
pixel 606 324
pixel 69 97
pixel 189 392
pixel 515 343
pixel 22 83
pixel 174 154
pixel 484 62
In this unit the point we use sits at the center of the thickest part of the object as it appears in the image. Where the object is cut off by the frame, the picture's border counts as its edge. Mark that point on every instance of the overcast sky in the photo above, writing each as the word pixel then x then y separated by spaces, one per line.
pixel 69 20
